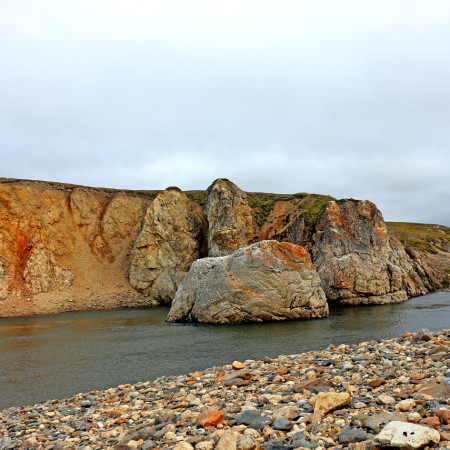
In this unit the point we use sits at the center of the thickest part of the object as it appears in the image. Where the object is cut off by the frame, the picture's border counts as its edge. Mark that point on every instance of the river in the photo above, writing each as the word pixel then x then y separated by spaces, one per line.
pixel 57 356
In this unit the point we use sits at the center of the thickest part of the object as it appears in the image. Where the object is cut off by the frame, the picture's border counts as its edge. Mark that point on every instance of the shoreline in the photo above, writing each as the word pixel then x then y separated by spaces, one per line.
pixel 273 403
pixel 127 301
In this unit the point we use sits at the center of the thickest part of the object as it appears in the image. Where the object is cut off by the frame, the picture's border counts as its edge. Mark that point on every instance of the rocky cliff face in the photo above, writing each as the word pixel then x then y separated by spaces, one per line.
pixel 65 249
pixel 231 224
pixel 69 247
pixel 359 260
pixel 171 239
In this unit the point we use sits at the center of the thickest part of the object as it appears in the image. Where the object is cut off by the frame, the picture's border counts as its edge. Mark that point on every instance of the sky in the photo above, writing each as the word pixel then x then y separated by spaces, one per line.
pixel 346 98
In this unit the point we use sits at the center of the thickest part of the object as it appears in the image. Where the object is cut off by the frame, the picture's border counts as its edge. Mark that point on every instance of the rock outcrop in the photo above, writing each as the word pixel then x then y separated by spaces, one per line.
pixel 65 248
pixel 262 282
pixel 231 224
pixel 359 260
pixel 171 239
pixel 42 272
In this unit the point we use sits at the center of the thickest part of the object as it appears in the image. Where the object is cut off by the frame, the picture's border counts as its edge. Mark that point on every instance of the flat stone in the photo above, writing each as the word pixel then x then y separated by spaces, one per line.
pixel 282 424
pixel 406 435
pixel 384 399
pixel 439 391
pixel 329 401
pixel 376 383
pixel 351 436
pixel 259 422
pixel 248 416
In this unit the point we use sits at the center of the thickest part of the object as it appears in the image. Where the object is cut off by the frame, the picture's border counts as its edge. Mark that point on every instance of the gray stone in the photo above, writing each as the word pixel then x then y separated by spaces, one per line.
pixel 298 440
pixel 351 436
pixel 248 416
pixel 424 335
pixel 263 282
pixel 282 424
pixel 259 422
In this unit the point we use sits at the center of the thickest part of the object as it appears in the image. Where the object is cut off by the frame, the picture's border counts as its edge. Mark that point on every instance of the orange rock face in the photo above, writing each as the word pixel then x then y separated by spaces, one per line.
pixel 63 249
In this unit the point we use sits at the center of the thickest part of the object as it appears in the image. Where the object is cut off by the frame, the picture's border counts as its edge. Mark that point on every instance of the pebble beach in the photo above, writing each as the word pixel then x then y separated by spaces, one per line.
pixel 371 395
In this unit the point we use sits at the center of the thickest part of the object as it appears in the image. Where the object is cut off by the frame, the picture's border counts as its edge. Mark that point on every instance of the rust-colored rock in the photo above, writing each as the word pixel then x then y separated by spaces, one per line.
pixel 435 390
pixel 359 260
pixel 231 224
pixel 432 422
pixel 376 383
pixel 208 419
pixel 65 248
pixel 444 415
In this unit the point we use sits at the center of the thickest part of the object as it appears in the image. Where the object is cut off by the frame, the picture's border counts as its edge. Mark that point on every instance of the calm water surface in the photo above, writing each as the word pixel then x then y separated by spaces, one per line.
pixel 56 356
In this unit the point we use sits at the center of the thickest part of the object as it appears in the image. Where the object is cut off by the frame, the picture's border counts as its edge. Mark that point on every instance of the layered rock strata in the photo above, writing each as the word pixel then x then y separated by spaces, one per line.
pixel 359 260
pixel 231 224
pixel 262 282
pixel 170 240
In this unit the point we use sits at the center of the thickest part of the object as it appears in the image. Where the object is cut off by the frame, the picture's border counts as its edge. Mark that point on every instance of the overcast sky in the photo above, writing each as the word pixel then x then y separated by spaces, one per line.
pixel 347 98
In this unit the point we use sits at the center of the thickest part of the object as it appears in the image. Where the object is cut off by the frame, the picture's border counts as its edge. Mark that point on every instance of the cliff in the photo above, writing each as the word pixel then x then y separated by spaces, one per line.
pixel 66 247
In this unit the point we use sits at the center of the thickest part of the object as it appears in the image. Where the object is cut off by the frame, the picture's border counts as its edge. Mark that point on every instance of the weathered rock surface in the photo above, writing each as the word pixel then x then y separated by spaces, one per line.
pixel 406 435
pixel 65 249
pixel 170 241
pixel 359 260
pixel 264 281
pixel 231 224
pixel 41 271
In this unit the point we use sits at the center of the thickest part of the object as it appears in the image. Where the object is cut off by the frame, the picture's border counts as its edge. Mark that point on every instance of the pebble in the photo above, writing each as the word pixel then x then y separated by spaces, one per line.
pixel 348 396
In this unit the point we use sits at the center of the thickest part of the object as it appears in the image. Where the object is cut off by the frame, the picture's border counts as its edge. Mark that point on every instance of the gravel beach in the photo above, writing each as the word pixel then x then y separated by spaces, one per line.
pixel 394 393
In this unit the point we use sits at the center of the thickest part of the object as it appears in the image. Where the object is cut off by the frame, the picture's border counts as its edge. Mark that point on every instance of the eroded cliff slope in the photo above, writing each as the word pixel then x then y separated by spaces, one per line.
pixel 65 247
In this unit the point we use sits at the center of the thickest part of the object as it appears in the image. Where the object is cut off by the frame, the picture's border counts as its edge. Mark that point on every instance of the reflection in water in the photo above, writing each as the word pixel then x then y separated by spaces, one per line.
pixel 55 356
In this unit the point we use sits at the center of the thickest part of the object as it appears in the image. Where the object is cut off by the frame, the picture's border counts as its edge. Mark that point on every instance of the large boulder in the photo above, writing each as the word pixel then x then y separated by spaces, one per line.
pixel 231 224
pixel 169 242
pixel 262 282
pixel 359 260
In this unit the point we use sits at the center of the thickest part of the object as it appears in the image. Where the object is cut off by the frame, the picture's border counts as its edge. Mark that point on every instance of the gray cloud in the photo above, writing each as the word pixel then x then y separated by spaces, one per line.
pixel 348 98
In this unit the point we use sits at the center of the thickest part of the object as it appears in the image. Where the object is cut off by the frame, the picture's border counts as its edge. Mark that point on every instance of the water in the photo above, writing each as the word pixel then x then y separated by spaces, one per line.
pixel 57 356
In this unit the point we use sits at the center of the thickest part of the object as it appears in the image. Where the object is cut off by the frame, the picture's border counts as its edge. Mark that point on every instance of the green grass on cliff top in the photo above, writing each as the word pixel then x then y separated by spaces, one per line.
pixel 422 236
